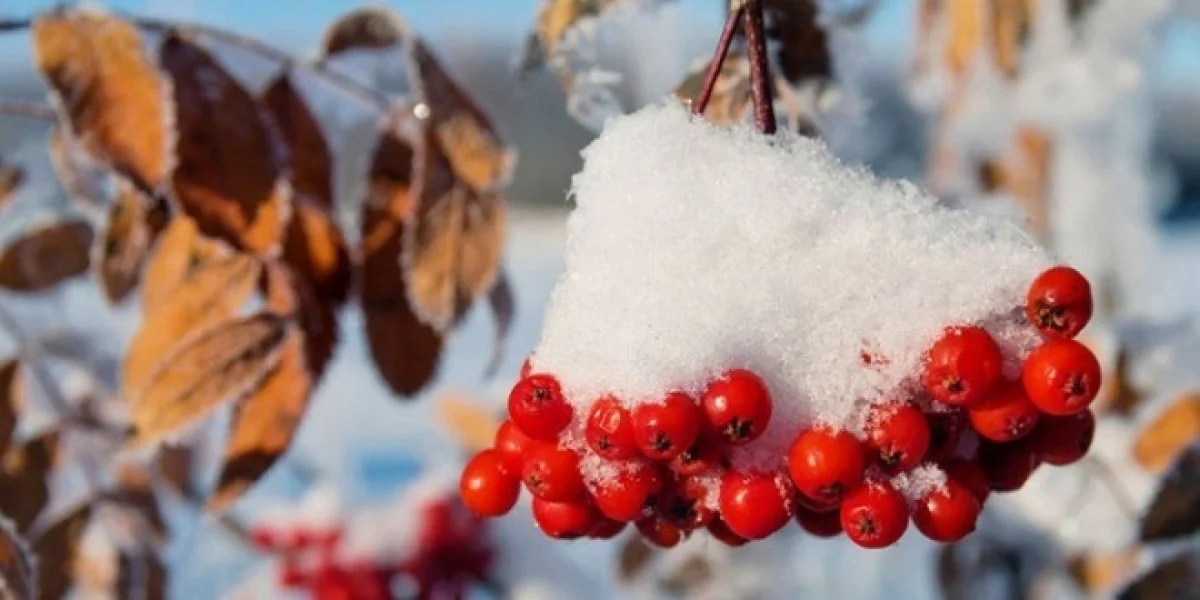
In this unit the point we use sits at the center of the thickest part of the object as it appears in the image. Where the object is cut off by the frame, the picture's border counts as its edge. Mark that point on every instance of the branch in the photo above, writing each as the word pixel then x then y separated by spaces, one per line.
pixel 23 108
pixel 700 103
pixel 760 68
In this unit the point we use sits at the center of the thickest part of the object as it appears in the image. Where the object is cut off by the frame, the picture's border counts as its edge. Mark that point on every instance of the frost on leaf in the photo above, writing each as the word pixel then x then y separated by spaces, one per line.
pixel 1175 511
pixel 130 511
pixel 58 550
pixel 26 467
pixel 108 91
pixel 46 256
pixel 17 577
pixel 309 160
pixel 179 251
pixel 265 421
pixel 228 177
pixel 81 177
pixel 405 350
pixel 554 20
pixel 369 28
pixel 11 178
pixel 316 248
pixel 10 402
pixel 205 371
pixel 1178 577
pixel 134 222
pixel 1159 442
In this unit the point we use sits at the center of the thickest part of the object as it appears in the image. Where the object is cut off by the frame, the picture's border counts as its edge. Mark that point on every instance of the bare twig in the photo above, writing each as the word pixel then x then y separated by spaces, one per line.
pixel 760 69
pixel 30 110
pixel 700 103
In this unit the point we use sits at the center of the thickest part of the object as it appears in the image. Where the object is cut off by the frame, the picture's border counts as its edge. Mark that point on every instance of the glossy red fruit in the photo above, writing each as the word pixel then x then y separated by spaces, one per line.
pixel 486 487
pixel 704 454
pixel 737 407
pixel 948 513
pixel 664 430
pixel 1064 440
pixel 825 464
pixel 606 529
pixel 1062 377
pixel 898 437
pixel 962 366
pixel 626 495
pixel 609 430
pixel 659 532
pixel 724 534
pixel 683 504
pixel 513 445
pixel 1008 466
pixel 537 406
pixel 564 520
pixel 552 474
pixel 1004 415
pixel 1059 302
pixel 874 515
pixel 826 524
pixel 754 505
pixel 946 432
pixel 970 474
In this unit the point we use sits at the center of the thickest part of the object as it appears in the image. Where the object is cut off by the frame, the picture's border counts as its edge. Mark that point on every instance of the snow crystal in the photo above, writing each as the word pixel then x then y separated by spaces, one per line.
pixel 915 484
pixel 695 248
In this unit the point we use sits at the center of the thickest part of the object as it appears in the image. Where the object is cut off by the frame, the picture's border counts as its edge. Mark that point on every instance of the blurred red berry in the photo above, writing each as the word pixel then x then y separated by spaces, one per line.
pixel 721 531
pixel 1062 377
pixel 1005 414
pixel 513 445
pixel 705 453
pixel 1059 302
pixel 266 538
pixel 754 505
pixel 898 436
pixel 874 515
pixel 552 473
pixel 537 406
pixel 564 520
pixel 970 474
pixel 625 495
pixel 486 487
pixel 606 529
pixel 657 531
pixel 824 464
pixel 682 504
pixel 737 407
pixel 664 430
pixel 293 576
pixel 826 524
pixel 1008 466
pixel 948 513
pixel 962 366
pixel 946 431
pixel 1064 440
pixel 609 430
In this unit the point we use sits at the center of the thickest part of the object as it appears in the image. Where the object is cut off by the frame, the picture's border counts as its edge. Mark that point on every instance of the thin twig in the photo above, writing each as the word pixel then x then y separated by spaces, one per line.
pixel 29 110
pixel 760 69
pixel 700 103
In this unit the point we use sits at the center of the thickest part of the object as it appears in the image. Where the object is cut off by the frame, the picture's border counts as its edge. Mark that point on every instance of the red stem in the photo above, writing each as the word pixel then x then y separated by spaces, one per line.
pixel 700 103
pixel 760 69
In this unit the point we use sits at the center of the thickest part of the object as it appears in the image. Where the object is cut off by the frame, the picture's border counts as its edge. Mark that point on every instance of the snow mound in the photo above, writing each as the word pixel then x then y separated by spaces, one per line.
pixel 695 248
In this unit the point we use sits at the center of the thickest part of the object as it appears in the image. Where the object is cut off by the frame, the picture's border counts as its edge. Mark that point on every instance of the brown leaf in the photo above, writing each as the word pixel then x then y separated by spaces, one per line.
pixel 179 252
pixel 309 159
pixel 405 350
pixel 46 256
pixel 132 508
pixel 803 53
pixel 635 556
pixel 1175 510
pixel 142 576
pixel 212 293
pixel 363 29
pixel 228 176
pixel 265 422
pixel 452 244
pixel 316 248
pixel 175 464
pixel 689 577
pixel 11 178
pixel 208 369
pixel 134 222
pixel 26 468
pixel 1174 579
pixel 473 426
pixel 554 20
pixel 11 402
pixel 730 100
pixel 81 177
pixel 17 575
pixel 1098 572
pixel 108 90
pixel 1166 436
pixel 503 305
pixel 57 550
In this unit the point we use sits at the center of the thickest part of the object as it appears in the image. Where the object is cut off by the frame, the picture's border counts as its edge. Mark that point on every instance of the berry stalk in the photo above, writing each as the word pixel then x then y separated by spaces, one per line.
pixel 760 68
pixel 700 103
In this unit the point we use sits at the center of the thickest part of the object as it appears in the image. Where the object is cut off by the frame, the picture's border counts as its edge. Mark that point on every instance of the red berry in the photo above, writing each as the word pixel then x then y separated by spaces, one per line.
pixel 552 474
pixel 754 505
pixel 266 538
pixel 1059 302
pixel 970 474
pixel 737 406
pixel 1064 440
pixel 824 464
pixel 816 505
pixel 682 504
pixel 1062 377
pixel 486 487
pixel 898 436
pixel 721 531
pixel 537 405
pixel 292 576
pixel 665 430
pixel 962 366
pixel 606 529
pixel 946 431
pixel 626 495
pixel 609 430
pixel 513 445
pixel 1008 466
pixel 564 520
pixel 704 454
pixel 947 514
pixel 1004 415
pixel 874 515
pixel 659 532
pixel 826 524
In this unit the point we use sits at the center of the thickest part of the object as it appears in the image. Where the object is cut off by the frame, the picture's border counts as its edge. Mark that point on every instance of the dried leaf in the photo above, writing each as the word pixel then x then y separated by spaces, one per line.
pixel 17 577
pixel 1096 572
pixel 363 29
pixel 11 401
pixel 213 292
pixel 1024 172
pixel 46 256
pixel 131 509
pixel 730 100
pixel 108 90
pixel 1175 510
pixel 473 426
pixel 1174 579
pixel 689 578
pixel 1122 397
pixel 179 252
pixel 1166 436
pixel 11 178
pixel 265 422
pixel 635 556
pixel 141 577
pixel 134 222
pixel 57 549
pixel 554 20
pixel 803 53
pixel 175 464
pixel 452 244
pixel 316 248
pixel 228 176
pixel 310 162
pixel 405 350
pixel 208 369
pixel 503 305
pixel 26 468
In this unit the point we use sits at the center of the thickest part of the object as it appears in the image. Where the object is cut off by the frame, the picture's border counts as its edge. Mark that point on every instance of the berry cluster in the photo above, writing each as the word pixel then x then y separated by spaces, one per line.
pixel 931 455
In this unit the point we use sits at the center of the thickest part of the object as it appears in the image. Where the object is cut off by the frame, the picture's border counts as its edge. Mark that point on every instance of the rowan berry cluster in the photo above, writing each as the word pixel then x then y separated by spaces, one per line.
pixel 964 426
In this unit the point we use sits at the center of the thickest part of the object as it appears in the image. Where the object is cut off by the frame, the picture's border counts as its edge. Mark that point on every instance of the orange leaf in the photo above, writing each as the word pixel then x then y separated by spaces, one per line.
pixel 178 253
pixel 57 550
pixel 208 369
pixel 17 566
pixel 1097 572
pixel 26 468
pixel 228 176
pixel 11 401
pixel 453 243
pixel 310 162
pixel 214 292
pixel 46 256
pixel 108 90
pixel 11 178
pixel 316 248
pixel 81 177
pixel 1166 436
pixel 363 28
pixel 134 221
pixel 473 426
